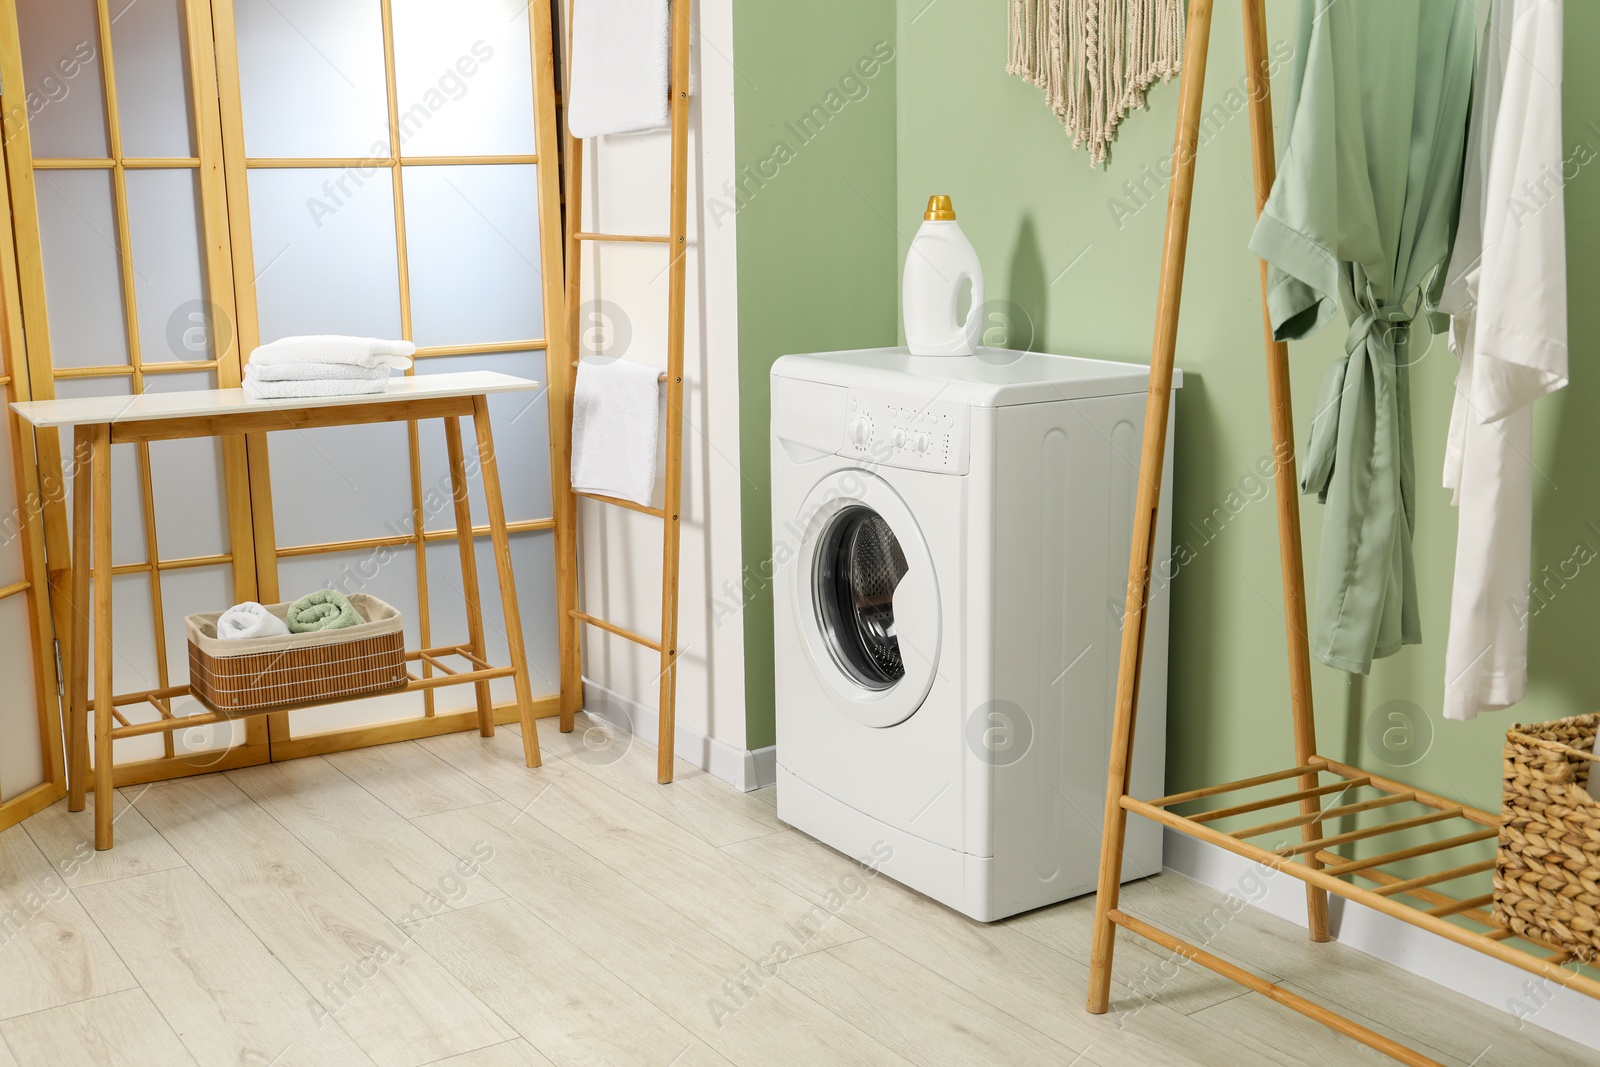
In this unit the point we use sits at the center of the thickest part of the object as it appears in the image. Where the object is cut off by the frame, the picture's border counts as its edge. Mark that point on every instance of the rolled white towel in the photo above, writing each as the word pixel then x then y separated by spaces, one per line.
pixel 310 372
pixel 336 348
pixel 250 620
pixel 256 389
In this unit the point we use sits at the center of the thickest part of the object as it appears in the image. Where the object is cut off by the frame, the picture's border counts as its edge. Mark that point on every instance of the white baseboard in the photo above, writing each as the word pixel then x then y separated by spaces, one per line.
pixel 1533 1001
pixel 740 768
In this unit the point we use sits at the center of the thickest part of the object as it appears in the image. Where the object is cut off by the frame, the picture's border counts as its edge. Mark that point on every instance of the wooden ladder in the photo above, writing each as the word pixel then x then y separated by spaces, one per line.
pixel 669 512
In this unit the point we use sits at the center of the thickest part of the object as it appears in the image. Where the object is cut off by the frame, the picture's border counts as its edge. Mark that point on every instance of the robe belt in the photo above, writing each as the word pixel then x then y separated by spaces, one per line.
pixel 1381 322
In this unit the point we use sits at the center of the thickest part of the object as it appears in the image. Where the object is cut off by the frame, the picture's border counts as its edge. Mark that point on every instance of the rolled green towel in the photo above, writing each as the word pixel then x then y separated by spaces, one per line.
pixel 322 610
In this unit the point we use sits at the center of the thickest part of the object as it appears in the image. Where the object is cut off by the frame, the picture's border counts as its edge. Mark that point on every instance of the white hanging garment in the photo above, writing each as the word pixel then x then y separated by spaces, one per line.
pixel 1507 295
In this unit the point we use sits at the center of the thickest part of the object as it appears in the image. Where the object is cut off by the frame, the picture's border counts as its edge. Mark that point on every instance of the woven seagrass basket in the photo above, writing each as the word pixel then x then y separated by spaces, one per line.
pixel 1547 877
pixel 244 677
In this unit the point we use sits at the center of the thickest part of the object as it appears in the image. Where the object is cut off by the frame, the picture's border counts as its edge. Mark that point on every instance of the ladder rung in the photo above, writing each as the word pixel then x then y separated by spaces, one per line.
pixel 628 238
pixel 637 639
pixel 621 503
pixel 659 378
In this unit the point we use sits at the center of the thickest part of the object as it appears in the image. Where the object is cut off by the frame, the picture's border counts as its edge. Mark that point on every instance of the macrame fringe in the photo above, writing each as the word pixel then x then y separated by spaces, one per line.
pixel 1095 59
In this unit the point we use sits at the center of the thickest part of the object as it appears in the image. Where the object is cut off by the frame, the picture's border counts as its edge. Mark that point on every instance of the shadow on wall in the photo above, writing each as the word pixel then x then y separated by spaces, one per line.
pixel 1027 291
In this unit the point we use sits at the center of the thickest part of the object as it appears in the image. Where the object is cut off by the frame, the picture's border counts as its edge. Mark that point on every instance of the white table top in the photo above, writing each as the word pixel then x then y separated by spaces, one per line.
pixel 205 402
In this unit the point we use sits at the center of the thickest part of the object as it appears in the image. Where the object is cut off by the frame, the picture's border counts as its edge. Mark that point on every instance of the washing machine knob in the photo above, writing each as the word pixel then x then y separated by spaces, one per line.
pixel 923 441
pixel 861 430
pixel 899 438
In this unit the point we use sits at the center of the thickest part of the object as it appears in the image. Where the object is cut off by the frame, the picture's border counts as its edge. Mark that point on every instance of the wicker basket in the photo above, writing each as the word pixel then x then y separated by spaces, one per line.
pixel 243 677
pixel 1547 877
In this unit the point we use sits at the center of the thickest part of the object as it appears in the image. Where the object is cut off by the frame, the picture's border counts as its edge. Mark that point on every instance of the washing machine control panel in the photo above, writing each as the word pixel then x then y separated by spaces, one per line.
pixel 902 431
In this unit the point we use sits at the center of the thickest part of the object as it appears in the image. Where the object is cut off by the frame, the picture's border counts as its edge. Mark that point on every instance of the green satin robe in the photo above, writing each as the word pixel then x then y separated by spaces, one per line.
pixel 1365 207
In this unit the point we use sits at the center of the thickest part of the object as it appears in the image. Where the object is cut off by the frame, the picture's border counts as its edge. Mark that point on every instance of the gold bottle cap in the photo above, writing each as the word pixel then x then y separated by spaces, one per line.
pixel 940 209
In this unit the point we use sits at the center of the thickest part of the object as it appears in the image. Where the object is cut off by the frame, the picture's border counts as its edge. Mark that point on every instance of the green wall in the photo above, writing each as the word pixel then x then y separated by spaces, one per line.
pixel 1077 253
pixel 1032 205
pixel 814 131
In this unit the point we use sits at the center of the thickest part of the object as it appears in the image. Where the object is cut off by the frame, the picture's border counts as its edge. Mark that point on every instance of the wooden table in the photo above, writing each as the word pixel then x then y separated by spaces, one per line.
pixel 100 422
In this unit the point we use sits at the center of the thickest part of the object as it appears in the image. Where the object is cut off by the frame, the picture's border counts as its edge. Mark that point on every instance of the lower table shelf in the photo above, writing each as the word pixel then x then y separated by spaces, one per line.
pixel 161 699
pixel 1462 916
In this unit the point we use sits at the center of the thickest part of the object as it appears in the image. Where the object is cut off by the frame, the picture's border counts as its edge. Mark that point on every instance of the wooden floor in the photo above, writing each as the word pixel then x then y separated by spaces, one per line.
pixel 433 902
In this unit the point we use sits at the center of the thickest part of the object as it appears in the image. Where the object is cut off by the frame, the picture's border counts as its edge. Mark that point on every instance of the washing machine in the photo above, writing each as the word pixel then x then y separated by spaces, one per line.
pixel 950 553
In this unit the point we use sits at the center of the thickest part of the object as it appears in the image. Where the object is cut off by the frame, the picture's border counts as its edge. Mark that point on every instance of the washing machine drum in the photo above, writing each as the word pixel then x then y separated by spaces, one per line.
pixel 867 599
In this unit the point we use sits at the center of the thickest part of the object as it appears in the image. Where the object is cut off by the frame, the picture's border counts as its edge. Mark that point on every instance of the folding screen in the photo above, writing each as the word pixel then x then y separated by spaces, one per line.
pixel 350 166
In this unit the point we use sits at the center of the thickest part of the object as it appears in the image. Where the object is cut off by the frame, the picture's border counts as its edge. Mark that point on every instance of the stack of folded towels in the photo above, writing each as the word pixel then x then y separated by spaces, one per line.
pixel 325 609
pixel 324 365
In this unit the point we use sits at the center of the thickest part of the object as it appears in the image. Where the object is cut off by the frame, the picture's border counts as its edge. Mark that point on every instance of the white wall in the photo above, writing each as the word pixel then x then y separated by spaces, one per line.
pixel 626 191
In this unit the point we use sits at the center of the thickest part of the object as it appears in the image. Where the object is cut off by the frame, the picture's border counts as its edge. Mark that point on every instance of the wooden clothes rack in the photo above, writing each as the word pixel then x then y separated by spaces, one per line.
pixel 1314 859
pixel 675 239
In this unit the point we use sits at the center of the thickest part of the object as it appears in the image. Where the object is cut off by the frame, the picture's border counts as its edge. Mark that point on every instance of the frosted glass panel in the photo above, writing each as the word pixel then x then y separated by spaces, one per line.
pixel 324 272
pixel 11 569
pixel 82 280
pixel 169 274
pixel 61 68
pixel 21 763
pixel 340 483
pixel 312 77
pixel 150 50
pixel 473 239
pixel 127 497
pixel 521 439
pixel 533 559
pixel 463 77
pixel 191 517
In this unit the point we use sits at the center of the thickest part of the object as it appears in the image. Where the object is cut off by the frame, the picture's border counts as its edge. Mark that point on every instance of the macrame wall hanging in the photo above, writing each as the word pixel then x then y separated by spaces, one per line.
pixel 1095 59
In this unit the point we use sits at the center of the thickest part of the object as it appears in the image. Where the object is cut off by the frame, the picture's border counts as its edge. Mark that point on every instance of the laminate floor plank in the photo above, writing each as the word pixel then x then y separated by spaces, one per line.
pixel 909 1008
pixel 697 801
pixel 999 964
pixel 566 1005
pixel 398 1003
pixel 51 952
pixel 659 953
pixel 225 995
pixel 497 763
pixel 747 910
pixel 67 840
pixel 389 861
pixel 117 1030
pixel 1146 970
pixel 507 1054
pixel 410 779
pixel 1396 1001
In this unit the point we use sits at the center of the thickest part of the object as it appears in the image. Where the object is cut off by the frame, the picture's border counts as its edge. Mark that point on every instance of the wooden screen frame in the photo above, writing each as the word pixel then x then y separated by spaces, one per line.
pixel 221 169
pixel 35 582
pixel 21 167
pixel 285 745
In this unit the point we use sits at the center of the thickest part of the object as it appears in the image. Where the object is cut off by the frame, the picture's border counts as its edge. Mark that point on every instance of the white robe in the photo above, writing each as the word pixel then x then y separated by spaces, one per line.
pixel 1507 293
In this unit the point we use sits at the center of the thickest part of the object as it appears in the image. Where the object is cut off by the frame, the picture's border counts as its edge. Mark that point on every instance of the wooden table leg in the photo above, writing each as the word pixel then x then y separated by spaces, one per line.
pixel 469 565
pixel 100 467
pixel 490 473
pixel 78 647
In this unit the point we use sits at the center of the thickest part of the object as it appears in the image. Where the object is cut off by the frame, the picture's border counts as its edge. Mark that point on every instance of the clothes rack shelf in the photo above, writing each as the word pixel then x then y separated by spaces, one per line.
pixel 101 422
pixel 670 511
pixel 1323 790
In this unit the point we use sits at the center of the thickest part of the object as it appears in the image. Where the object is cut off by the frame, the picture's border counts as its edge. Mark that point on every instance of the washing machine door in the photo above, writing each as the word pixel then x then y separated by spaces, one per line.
pixel 867 598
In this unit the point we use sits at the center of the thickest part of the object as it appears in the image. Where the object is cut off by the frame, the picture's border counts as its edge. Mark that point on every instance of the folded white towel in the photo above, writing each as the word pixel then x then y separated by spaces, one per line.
pixel 619 66
pixel 616 419
pixel 308 372
pixel 335 348
pixel 257 389
pixel 250 620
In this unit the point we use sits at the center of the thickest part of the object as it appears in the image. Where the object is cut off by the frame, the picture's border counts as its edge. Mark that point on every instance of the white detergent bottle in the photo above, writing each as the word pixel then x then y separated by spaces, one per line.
pixel 939 264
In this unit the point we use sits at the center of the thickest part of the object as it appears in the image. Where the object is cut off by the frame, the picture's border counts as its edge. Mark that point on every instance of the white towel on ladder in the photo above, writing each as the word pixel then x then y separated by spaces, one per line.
pixel 620 51
pixel 616 420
